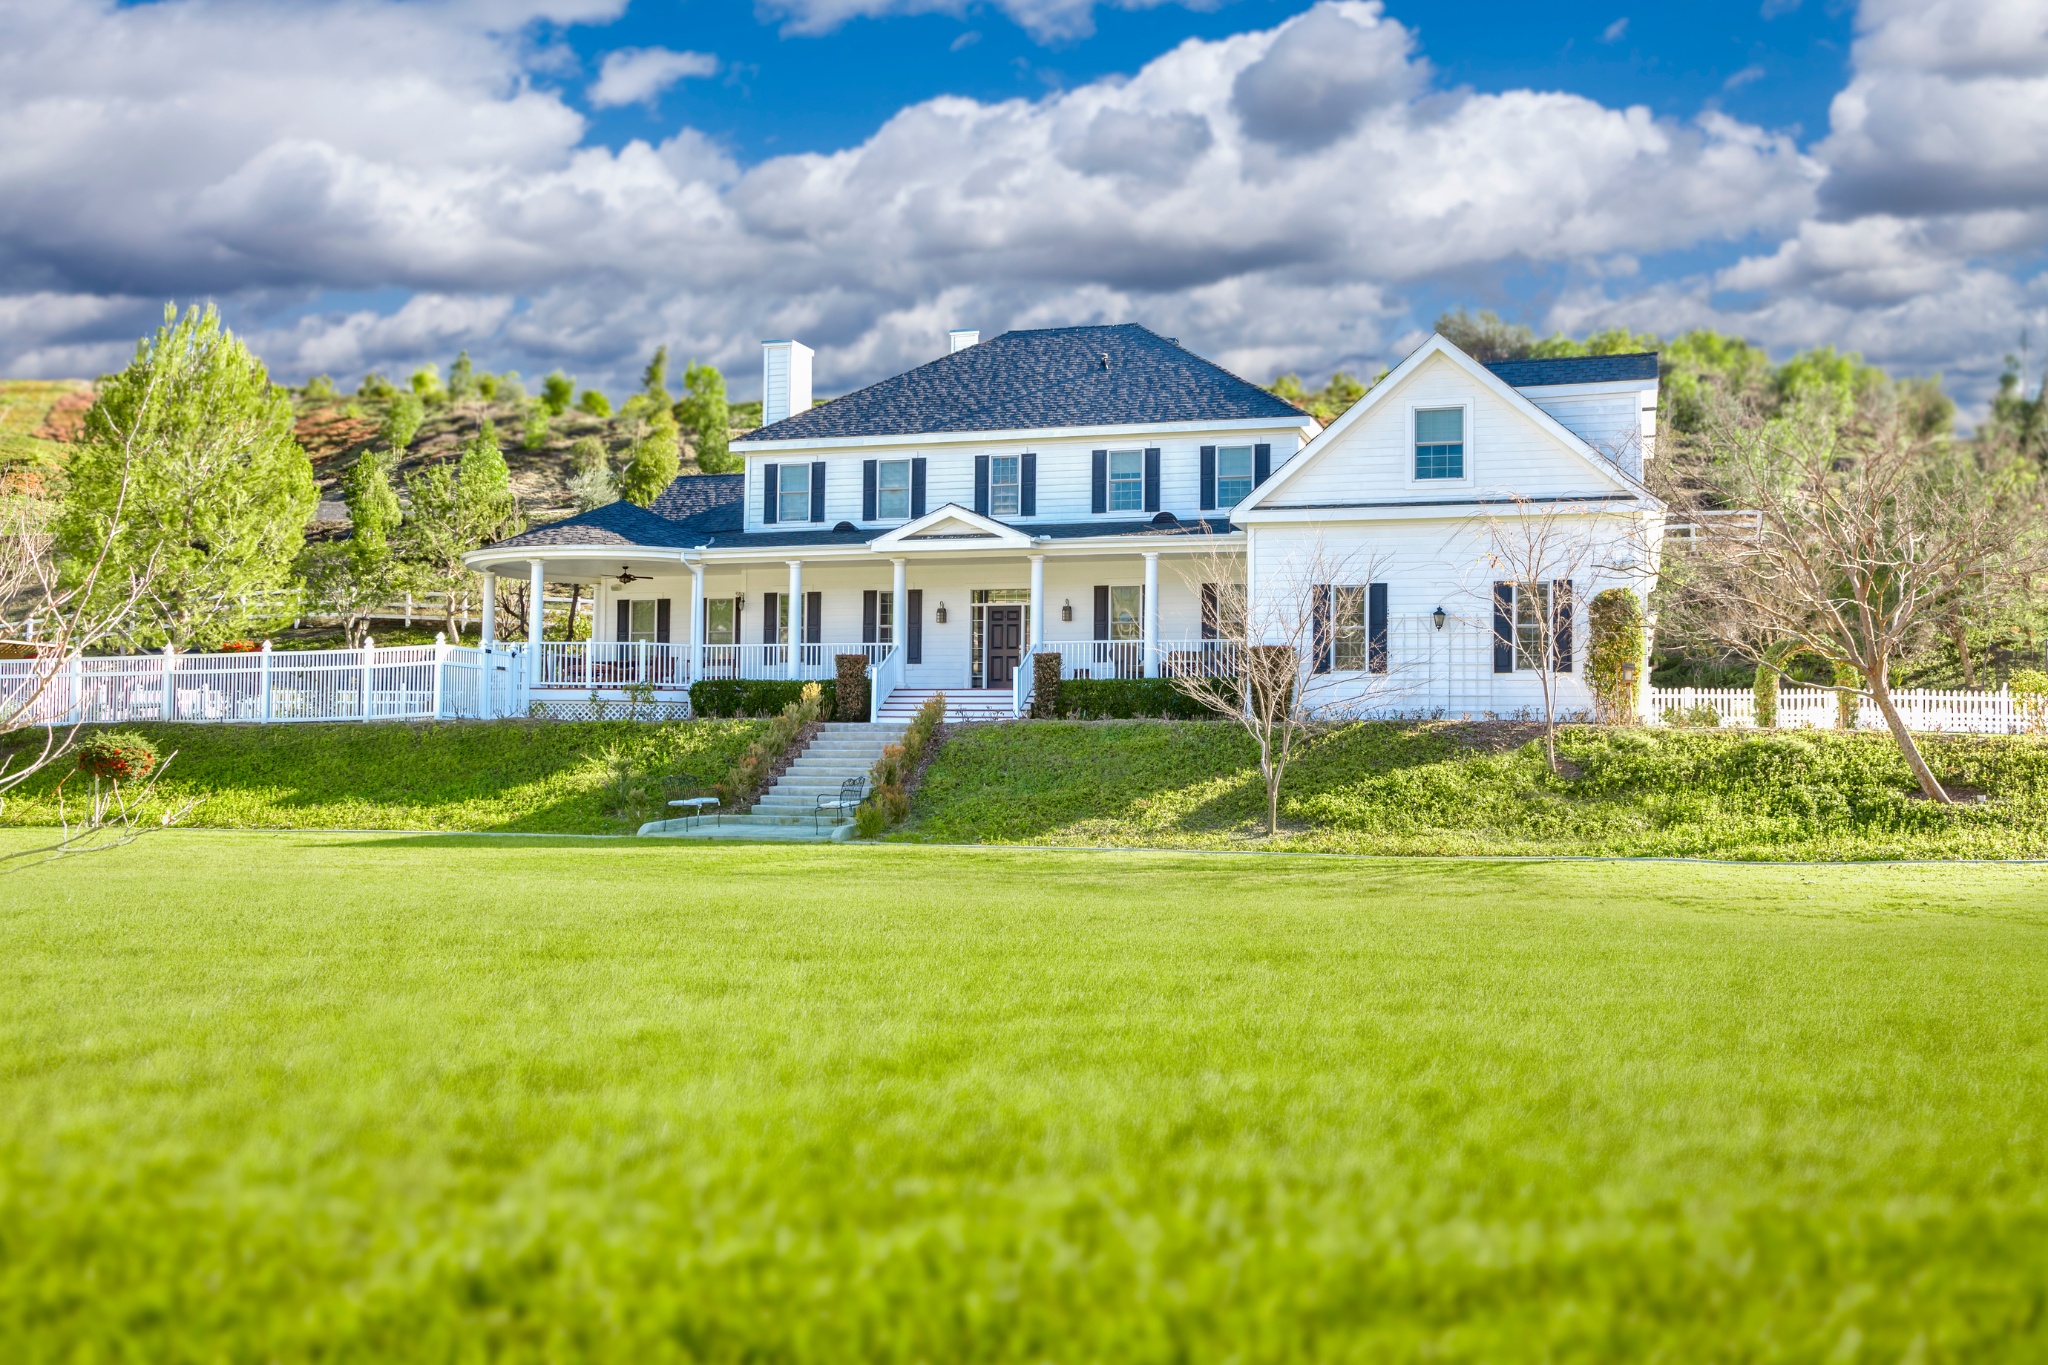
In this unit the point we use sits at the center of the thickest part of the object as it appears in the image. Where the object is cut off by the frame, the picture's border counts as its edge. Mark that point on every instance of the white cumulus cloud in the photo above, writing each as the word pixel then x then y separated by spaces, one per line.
pixel 638 75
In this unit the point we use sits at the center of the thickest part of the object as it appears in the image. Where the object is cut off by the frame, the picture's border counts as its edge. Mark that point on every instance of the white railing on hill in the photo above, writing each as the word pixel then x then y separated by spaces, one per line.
pixel 1818 708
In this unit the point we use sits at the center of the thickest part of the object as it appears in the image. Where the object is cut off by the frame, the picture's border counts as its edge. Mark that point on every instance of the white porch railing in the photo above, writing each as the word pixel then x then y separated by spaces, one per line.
pixel 811 663
pixel 586 665
pixel 883 678
pixel 1818 708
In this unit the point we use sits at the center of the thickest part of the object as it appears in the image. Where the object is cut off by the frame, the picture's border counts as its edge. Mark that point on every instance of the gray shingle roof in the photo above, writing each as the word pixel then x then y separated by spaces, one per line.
pixel 1575 369
pixel 1052 377
pixel 688 513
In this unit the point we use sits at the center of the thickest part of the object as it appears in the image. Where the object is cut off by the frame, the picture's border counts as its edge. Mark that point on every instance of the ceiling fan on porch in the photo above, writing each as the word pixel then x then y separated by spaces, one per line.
pixel 626 575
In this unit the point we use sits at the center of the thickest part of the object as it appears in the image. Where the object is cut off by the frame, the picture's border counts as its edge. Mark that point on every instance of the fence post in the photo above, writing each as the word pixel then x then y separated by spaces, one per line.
pixel 264 675
pixel 408 611
pixel 170 704
pixel 440 666
pixel 369 655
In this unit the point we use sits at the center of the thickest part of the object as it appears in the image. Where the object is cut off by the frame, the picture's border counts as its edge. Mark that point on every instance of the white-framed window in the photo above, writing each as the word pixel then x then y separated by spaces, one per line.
pixel 1233 475
pixel 1348 633
pixel 1439 443
pixel 641 617
pixel 793 493
pixel 885 618
pixel 1532 609
pixel 1126 613
pixel 1127 481
pixel 892 490
pixel 720 621
pixel 1005 486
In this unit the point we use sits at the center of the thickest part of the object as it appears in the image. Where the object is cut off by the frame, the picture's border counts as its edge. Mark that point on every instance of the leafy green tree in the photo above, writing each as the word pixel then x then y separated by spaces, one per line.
pixel 557 392
pixel 427 386
pixel 535 434
pixel 402 418
pixel 455 511
pixel 594 403
pixel 1486 337
pixel 352 578
pixel 1328 403
pixel 376 388
pixel 654 379
pixel 592 485
pixel 702 412
pixel 320 388
pixel 189 468
pixel 462 380
pixel 656 460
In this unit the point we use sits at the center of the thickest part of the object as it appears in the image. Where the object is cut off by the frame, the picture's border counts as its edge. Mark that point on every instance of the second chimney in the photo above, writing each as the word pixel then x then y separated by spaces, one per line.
pixel 785 380
pixel 962 338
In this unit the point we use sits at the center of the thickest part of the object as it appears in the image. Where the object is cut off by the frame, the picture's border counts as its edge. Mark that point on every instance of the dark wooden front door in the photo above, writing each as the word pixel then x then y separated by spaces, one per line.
pixel 1004 640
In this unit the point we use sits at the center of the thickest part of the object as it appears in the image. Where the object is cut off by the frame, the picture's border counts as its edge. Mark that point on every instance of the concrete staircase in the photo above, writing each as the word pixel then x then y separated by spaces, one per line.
pixel 966 704
pixel 787 811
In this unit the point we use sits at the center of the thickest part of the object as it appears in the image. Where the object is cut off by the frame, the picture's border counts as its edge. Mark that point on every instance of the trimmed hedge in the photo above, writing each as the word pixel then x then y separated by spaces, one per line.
pixel 1128 699
pixel 725 697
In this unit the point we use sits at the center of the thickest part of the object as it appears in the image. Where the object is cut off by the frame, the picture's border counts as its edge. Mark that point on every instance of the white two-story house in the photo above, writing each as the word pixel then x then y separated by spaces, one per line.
pixel 1081 490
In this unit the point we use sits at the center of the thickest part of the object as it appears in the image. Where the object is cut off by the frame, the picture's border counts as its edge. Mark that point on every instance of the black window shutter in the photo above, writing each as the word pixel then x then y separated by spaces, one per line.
pixel 768 620
pixel 917 488
pixel 1503 627
pixel 1208 478
pixel 1027 485
pixel 1101 494
pixel 867 490
pixel 818 491
pixel 1376 627
pixel 867 614
pixel 771 478
pixel 814 618
pixel 1102 611
pixel 913 629
pixel 1319 620
pixel 661 620
pixel 625 619
pixel 1209 611
pixel 1561 606
pixel 1262 463
pixel 1152 479
pixel 981 484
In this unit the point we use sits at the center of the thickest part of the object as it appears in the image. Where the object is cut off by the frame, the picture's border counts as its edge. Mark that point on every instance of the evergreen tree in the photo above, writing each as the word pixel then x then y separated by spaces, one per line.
pixel 426 384
pixel 702 412
pixel 455 511
pixel 535 434
pixel 402 418
pixel 557 392
pixel 657 458
pixel 462 379
pixel 594 403
pixel 485 488
pixel 352 578
pixel 654 379
pixel 190 463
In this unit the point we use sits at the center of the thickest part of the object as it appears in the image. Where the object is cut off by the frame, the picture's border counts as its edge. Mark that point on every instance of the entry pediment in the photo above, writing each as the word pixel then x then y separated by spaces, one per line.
pixel 951 527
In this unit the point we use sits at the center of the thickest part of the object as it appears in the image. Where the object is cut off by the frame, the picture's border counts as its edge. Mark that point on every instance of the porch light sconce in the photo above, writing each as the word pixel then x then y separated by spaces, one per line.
pixel 1067 610
pixel 1438 617
pixel 940 614
pixel 739 601
pixel 1628 673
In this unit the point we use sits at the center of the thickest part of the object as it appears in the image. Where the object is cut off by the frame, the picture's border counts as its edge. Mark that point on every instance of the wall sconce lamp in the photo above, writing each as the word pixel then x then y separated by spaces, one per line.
pixel 1067 610
pixel 1628 674
pixel 940 614
pixel 1438 617
pixel 739 601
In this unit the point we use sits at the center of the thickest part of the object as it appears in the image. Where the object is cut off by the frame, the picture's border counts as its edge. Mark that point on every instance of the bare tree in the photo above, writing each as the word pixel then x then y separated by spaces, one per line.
pixel 1262 674
pixel 1536 553
pixel 1848 531
pixel 50 613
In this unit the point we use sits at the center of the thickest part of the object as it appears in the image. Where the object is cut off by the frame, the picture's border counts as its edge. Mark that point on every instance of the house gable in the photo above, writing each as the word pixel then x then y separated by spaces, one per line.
pixel 951 527
pixel 1512 448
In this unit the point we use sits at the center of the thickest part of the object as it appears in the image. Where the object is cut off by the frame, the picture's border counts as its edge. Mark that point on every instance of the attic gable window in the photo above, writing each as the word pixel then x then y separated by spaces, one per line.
pixel 1440 443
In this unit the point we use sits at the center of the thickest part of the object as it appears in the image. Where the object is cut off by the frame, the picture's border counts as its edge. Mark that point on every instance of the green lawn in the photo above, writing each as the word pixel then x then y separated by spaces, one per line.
pixel 293 1097
pixel 556 777
pixel 1419 789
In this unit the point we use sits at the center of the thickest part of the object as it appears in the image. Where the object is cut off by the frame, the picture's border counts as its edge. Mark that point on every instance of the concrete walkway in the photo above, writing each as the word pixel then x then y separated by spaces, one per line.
pixel 788 811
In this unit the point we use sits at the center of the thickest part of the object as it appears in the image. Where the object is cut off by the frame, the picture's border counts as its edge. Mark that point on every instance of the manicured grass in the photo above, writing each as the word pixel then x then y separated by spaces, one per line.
pixel 290 1097
pixel 557 777
pixel 1417 789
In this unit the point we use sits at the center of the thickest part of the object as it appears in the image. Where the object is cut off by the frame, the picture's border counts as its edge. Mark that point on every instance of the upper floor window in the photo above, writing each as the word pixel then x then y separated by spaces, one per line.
pixel 1233 475
pixel 1005 486
pixel 1126 480
pixel 793 493
pixel 892 490
pixel 1440 443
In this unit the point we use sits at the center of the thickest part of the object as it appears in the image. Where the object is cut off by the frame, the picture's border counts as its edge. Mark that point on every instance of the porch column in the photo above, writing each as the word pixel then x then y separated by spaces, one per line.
pixel 899 592
pixel 1036 616
pixel 1152 613
pixel 489 643
pixel 696 621
pixel 535 603
pixel 796 617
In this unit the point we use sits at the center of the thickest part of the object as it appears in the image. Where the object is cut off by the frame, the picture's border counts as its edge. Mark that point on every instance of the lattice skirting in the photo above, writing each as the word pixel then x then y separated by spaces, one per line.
pixel 608 710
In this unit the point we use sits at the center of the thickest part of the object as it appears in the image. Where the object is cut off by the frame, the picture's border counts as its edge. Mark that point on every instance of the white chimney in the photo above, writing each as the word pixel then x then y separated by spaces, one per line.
pixel 962 338
pixel 785 380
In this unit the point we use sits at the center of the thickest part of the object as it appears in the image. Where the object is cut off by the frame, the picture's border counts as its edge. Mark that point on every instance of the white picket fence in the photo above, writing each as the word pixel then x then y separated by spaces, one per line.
pixel 412 682
pixel 1818 708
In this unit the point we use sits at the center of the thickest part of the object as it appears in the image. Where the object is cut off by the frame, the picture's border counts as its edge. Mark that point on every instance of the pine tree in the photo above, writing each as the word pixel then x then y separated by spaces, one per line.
pixel 190 463
pixel 402 418
pixel 557 392
pixel 657 458
pixel 462 381
pixel 654 379
pixel 702 411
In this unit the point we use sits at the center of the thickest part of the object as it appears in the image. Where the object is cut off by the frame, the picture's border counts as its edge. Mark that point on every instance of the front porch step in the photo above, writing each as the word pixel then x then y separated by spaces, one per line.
pixel 788 809
pixel 903 704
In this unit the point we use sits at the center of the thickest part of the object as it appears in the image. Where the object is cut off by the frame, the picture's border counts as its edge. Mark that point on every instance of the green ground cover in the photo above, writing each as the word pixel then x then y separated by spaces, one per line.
pixel 295 1097
pixel 1426 789
pixel 558 777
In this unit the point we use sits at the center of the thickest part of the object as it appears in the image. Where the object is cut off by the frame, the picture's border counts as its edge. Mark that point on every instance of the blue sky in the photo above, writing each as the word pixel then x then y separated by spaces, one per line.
pixel 374 184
